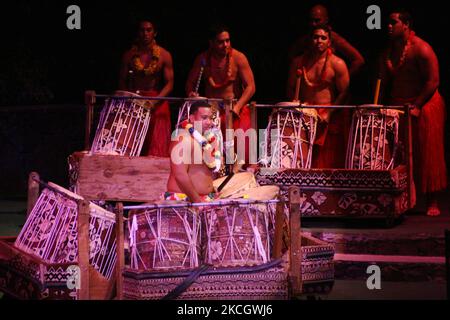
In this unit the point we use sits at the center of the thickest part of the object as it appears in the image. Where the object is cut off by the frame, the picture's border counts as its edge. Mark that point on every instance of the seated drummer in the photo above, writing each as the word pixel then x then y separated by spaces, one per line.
pixel 324 80
pixel 191 164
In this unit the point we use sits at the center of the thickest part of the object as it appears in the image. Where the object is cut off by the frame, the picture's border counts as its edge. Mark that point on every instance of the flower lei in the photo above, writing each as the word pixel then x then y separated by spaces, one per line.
pixel 206 145
pixel 228 79
pixel 152 68
pixel 406 48
pixel 322 74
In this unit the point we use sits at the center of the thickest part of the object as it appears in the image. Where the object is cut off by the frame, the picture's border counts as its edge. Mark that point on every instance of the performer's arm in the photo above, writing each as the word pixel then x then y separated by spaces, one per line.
pixel 248 81
pixel 167 75
pixel 193 77
pixel 179 168
pixel 429 69
pixel 348 52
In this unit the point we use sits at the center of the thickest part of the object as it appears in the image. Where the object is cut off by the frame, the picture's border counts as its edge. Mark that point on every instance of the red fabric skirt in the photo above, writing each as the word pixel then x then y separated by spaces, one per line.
pixel 157 139
pixel 331 141
pixel 430 172
pixel 244 123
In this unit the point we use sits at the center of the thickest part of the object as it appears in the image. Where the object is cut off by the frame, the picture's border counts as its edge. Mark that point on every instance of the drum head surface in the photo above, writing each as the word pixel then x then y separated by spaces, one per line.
pixel 239 182
pixel 259 193
pixel 288 104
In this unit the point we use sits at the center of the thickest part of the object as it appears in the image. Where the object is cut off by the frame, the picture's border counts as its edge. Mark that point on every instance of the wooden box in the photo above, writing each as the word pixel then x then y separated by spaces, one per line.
pixel 66 250
pixel 344 192
pixel 25 277
pixel 118 178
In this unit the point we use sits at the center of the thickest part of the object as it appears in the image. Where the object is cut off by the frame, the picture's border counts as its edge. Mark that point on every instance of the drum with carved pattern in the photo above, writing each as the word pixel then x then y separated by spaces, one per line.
pixel 123 125
pixel 373 139
pixel 290 137
pixel 51 234
pixel 236 235
pixel 165 238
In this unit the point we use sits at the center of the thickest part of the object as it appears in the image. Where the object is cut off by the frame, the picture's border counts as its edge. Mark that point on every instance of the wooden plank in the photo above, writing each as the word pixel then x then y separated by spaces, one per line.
pixel 447 261
pixel 279 223
pixel 409 160
pixel 229 151
pixel 100 288
pixel 89 99
pixel 33 191
pixel 120 251
pixel 295 268
pixel 83 248
pixel 8 251
pixel 118 178
pixel 387 258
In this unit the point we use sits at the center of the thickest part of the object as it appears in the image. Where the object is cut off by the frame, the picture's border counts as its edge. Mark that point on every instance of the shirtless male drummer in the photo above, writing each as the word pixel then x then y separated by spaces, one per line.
pixel 324 80
pixel 226 75
pixel 147 69
pixel 411 67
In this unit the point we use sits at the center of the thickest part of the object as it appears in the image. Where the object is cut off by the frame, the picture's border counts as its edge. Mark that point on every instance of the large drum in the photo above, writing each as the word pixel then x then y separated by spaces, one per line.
pixel 239 233
pixel 51 233
pixel 290 137
pixel 123 125
pixel 236 234
pixel 373 139
pixel 164 239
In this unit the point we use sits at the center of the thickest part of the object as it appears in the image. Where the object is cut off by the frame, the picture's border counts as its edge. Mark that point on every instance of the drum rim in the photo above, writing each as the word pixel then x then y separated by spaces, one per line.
pixel 127 93
pixel 288 104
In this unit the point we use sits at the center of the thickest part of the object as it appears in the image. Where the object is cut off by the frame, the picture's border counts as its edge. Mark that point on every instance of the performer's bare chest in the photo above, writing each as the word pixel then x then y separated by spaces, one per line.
pixel 222 68
pixel 319 72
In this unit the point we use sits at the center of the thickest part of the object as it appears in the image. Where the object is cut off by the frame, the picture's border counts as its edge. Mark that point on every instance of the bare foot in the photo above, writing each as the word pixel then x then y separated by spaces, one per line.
pixel 433 211
pixel 432 205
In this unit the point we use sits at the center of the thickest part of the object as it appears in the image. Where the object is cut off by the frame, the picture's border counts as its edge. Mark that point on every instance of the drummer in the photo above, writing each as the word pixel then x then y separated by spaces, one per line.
pixel 227 75
pixel 191 179
pixel 324 80
pixel 147 70
pixel 411 67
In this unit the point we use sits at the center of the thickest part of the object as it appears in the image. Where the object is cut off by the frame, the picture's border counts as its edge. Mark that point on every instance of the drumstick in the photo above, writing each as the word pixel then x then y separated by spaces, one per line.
pixel 377 92
pixel 297 85
pixel 227 179
pixel 237 166
pixel 200 74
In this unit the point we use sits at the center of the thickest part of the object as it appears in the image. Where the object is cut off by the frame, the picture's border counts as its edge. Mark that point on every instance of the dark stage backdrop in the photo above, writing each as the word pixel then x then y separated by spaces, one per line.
pixel 45 64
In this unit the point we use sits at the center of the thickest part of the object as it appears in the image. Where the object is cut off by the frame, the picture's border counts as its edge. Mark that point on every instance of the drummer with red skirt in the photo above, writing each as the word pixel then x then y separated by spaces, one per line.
pixel 147 70
pixel 410 69
pixel 324 79
pixel 226 74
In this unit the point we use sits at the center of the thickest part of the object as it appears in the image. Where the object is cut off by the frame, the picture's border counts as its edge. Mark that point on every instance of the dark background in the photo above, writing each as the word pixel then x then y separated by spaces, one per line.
pixel 45 68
